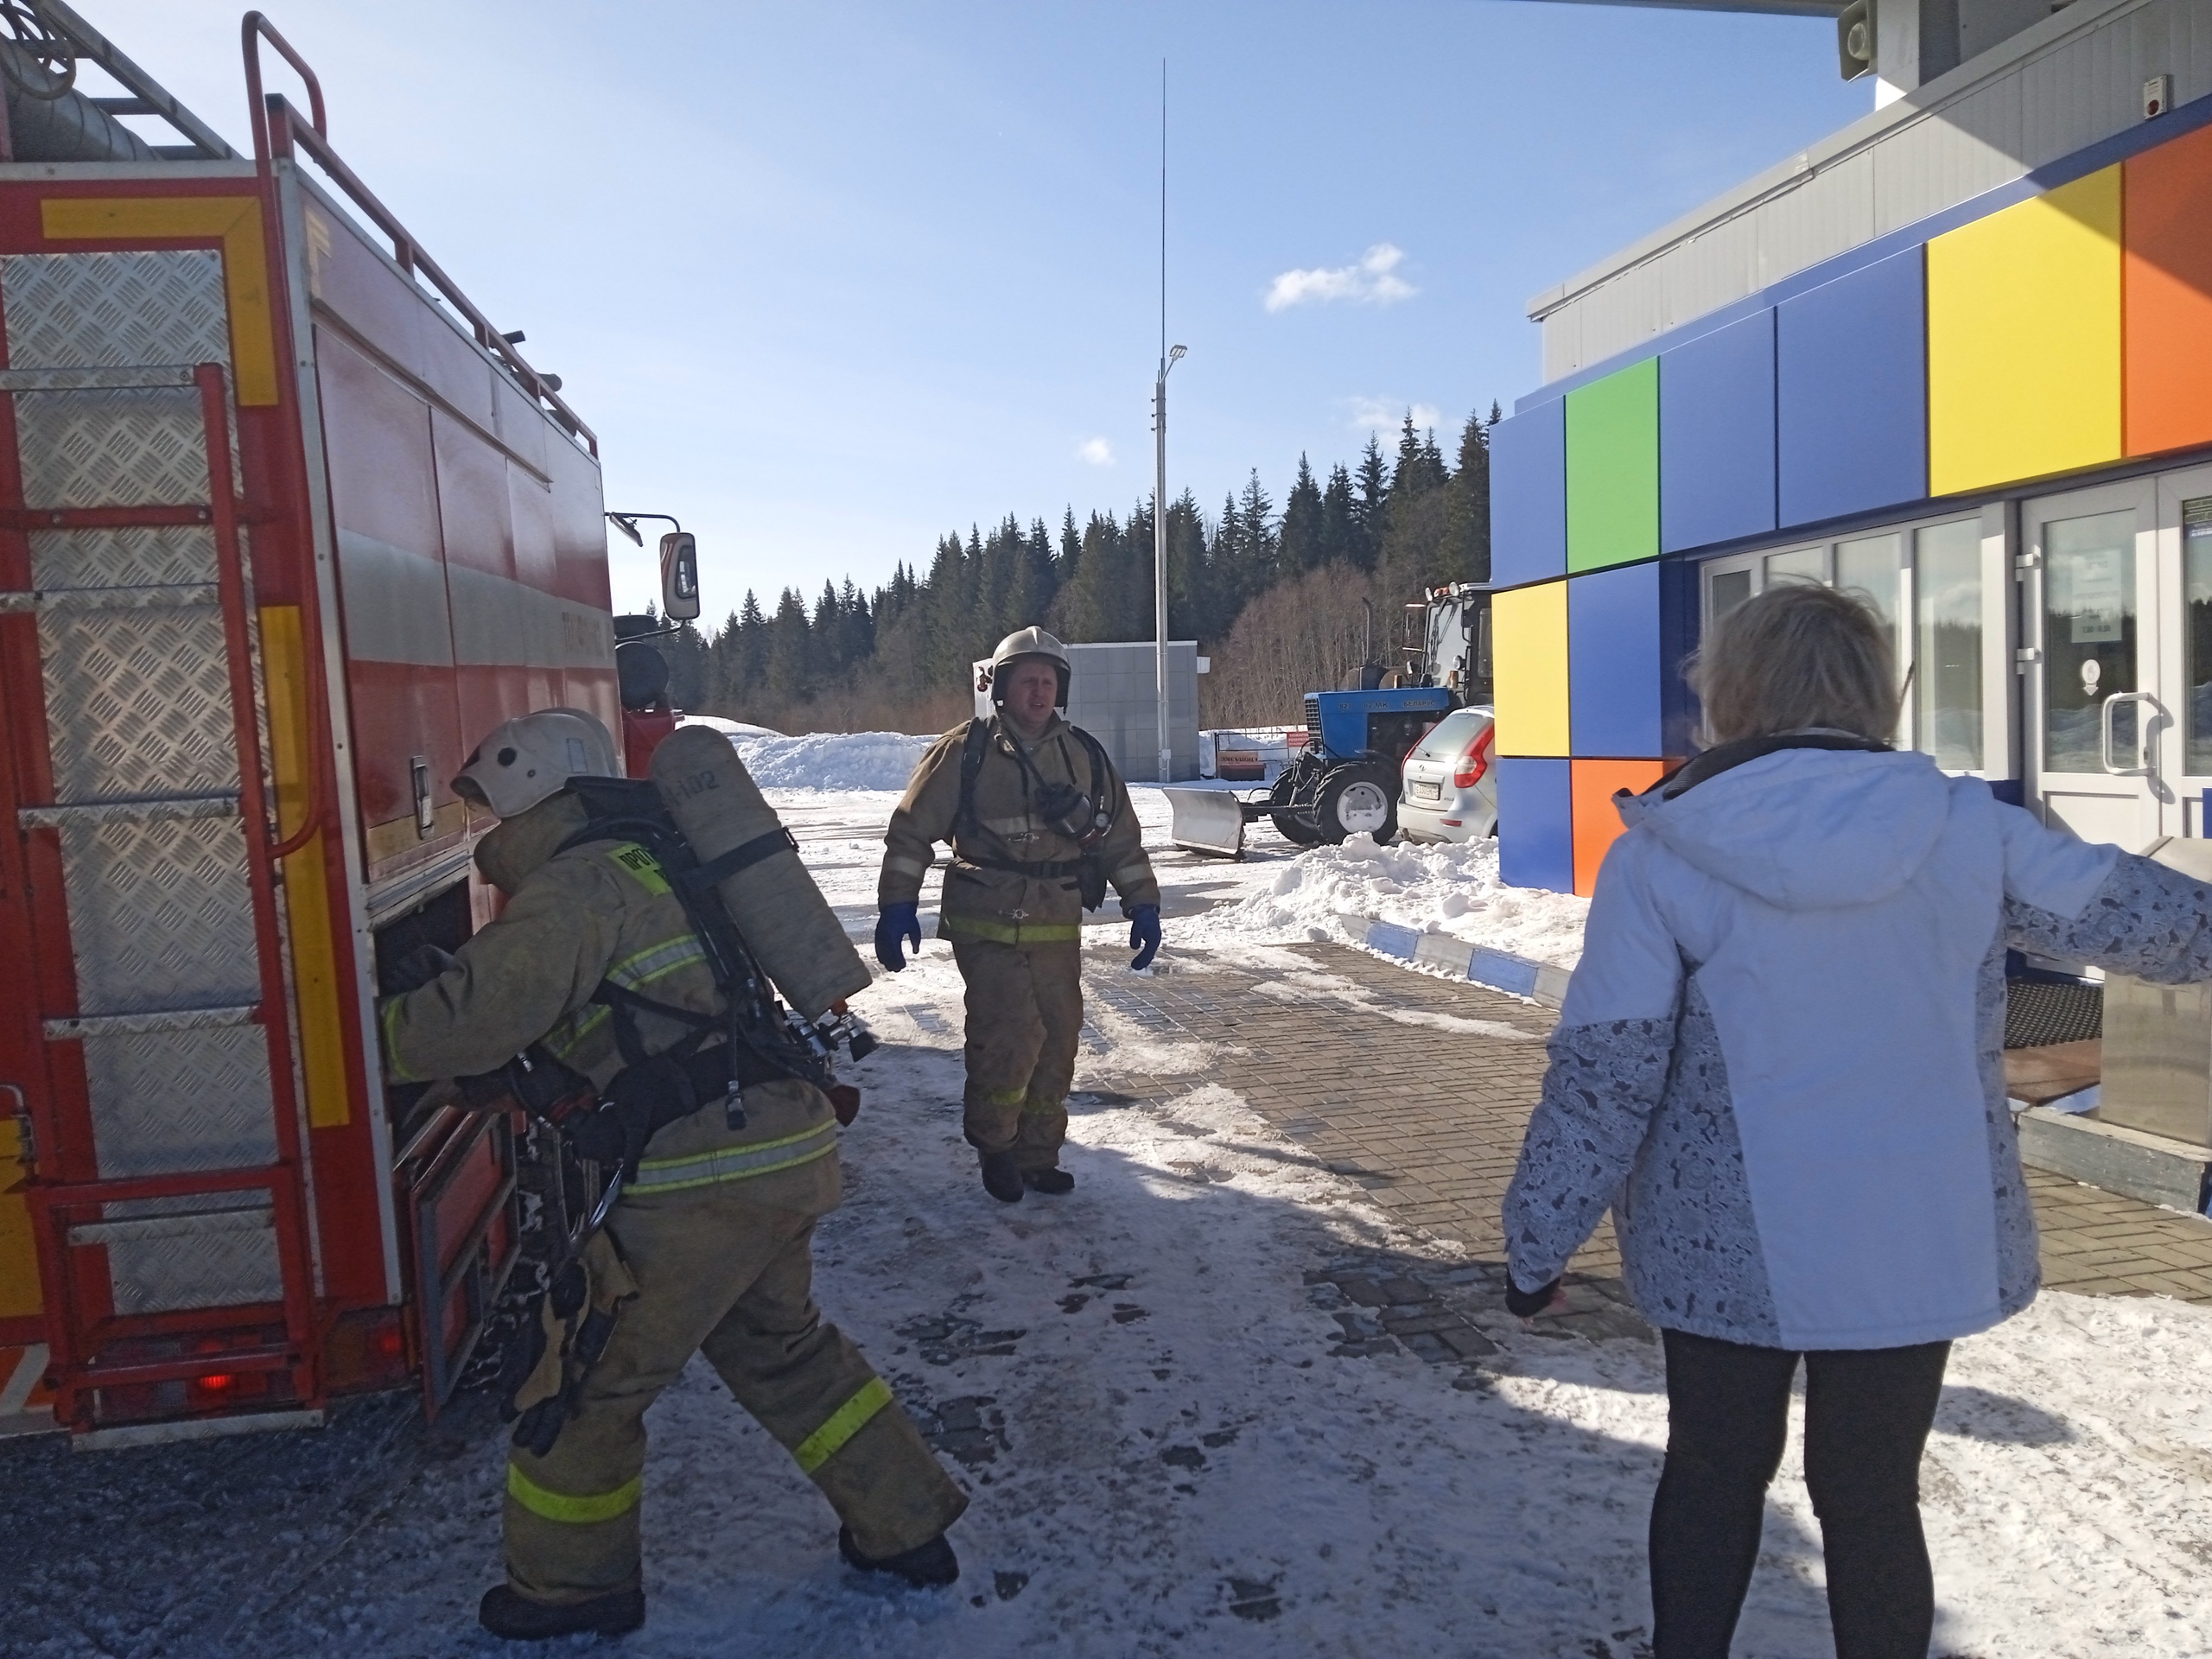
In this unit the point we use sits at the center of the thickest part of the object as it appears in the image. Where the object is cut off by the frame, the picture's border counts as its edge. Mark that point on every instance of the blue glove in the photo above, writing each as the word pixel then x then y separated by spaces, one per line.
pixel 895 923
pixel 1144 935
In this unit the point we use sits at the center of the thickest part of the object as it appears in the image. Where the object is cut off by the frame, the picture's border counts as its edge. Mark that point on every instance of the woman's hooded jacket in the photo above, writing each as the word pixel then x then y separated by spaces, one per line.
pixel 1780 1060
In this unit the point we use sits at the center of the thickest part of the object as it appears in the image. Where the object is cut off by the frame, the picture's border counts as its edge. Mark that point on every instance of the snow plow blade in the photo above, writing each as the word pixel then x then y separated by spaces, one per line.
pixel 1209 820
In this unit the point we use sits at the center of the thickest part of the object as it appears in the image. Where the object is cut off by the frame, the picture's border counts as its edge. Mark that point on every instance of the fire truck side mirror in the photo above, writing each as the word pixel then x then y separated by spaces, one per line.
pixel 679 576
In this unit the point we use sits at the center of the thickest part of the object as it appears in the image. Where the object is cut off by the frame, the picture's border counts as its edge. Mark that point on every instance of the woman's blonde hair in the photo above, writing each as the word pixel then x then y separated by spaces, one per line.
pixel 1796 657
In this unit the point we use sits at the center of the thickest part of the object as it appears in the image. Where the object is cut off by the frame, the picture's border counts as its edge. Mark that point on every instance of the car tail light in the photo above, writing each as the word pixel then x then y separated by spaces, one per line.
pixel 1475 761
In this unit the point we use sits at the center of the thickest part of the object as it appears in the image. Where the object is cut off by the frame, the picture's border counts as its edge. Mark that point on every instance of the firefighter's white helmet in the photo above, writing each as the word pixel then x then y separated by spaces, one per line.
pixel 530 758
pixel 1029 642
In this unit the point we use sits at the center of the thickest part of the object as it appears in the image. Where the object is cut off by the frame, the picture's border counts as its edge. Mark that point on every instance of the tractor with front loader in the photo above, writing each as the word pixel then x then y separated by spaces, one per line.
pixel 1345 780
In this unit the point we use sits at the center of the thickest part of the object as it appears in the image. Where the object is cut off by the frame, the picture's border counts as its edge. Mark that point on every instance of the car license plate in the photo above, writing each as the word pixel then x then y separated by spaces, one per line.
pixel 1420 792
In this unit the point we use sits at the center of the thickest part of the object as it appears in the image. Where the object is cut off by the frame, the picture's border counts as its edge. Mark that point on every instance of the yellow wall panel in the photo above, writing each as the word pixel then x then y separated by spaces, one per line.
pixel 1528 657
pixel 2024 341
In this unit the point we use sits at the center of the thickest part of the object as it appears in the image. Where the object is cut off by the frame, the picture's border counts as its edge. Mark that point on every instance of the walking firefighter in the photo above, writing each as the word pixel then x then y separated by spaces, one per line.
pixel 1039 824
pixel 646 1029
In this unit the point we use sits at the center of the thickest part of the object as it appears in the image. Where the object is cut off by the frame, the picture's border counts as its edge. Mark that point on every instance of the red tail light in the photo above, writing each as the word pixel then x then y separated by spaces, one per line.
pixel 1475 761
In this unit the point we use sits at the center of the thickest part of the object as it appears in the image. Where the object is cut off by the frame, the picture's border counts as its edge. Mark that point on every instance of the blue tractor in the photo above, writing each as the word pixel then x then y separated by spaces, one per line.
pixel 1344 781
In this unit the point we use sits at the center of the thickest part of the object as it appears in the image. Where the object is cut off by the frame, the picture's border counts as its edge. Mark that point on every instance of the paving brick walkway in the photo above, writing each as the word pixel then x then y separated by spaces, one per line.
pixel 1417 1088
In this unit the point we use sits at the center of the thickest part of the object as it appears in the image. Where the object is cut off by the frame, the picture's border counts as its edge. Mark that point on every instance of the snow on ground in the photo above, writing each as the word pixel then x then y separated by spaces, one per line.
pixel 1166 1457
pixel 1163 1452
pixel 833 760
pixel 836 792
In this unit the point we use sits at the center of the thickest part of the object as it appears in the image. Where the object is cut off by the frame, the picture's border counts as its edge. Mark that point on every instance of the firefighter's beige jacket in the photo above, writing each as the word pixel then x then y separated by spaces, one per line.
pixel 601 911
pixel 1004 907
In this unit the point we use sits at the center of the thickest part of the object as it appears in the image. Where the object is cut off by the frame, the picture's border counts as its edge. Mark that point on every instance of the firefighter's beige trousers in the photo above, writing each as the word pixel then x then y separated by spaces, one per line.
pixel 1025 1014
pixel 732 1278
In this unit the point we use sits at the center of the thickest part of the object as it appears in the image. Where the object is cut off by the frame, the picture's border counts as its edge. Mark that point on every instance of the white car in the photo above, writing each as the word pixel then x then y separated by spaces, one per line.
pixel 1448 787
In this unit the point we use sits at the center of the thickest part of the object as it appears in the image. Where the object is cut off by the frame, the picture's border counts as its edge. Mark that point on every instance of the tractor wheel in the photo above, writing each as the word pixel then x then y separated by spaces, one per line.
pixel 1288 823
pixel 1357 799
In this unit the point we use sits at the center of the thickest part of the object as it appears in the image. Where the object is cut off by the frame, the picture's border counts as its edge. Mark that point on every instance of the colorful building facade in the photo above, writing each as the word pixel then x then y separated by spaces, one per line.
pixel 1959 360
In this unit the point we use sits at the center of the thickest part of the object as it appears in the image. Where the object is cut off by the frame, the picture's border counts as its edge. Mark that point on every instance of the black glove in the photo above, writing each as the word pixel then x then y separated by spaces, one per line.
pixel 415 969
pixel 1527 1303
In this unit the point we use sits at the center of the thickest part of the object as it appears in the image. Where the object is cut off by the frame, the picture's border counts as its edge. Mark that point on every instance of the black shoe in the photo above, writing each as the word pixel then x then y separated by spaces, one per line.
pixel 926 1566
pixel 1002 1176
pixel 520 1619
pixel 1049 1180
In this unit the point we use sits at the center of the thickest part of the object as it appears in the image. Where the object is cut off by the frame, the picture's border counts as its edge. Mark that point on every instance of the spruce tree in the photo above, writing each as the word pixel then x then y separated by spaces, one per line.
pixel 1263 541
pixel 1466 508
pixel 1302 522
pixel 1340 530
pixel 1373 481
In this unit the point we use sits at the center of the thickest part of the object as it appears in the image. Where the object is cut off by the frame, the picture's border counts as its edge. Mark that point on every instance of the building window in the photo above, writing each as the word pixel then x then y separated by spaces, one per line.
pixel 1925 583
pixel 1947 643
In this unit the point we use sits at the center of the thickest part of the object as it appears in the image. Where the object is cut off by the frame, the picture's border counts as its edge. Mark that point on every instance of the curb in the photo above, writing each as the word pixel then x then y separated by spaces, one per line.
pixel 1538 981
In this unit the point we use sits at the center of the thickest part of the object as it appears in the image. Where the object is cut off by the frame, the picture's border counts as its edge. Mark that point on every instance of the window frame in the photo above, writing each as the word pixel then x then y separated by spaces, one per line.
pixel 1997 525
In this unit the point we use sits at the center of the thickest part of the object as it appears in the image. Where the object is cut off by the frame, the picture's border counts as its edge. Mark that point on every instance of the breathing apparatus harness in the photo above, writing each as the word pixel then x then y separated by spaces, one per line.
pixel 573 1317
pixel 1066 810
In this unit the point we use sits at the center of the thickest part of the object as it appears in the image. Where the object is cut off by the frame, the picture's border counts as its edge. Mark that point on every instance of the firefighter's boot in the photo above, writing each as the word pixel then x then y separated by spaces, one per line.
pixel 1054 1180
pixel 519 1618
pixel 926 1566
pixel 1002 1176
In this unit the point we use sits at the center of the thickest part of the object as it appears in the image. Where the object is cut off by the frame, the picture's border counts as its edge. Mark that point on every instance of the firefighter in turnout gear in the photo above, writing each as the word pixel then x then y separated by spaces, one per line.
pixel 708 1248
pixel 1039 824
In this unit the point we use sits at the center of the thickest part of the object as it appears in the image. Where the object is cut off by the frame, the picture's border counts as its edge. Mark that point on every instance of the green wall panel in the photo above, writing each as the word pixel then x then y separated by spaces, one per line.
pixel 1612 468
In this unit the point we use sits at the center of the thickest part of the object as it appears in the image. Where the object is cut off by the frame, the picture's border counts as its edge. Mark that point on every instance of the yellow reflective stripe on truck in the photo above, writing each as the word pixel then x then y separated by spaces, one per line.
pixel 739 1163
pixel 575 1512
pixel 846 1422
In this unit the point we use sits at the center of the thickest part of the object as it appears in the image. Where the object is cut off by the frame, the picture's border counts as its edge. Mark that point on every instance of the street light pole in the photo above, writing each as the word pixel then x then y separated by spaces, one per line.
pixel 1159 553
pixel 1167 360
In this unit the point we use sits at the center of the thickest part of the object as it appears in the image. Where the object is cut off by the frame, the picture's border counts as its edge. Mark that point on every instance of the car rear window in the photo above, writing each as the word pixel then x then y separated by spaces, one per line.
pixel 1449 735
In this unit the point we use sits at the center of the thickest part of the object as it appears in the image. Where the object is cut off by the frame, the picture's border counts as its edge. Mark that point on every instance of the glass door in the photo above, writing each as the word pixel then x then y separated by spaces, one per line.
pixel 2098 726
pixel 2184 568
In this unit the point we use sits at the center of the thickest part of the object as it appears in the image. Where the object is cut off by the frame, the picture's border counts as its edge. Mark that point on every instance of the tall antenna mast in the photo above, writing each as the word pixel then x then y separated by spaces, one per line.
pixel 1167 359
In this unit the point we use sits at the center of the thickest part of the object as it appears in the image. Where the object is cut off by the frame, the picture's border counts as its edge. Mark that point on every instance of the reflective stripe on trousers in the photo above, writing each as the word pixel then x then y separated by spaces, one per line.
pixel 735 1163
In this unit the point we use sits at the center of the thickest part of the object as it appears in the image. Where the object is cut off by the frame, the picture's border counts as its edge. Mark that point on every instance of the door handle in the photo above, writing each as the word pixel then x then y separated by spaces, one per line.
pixel 2105 733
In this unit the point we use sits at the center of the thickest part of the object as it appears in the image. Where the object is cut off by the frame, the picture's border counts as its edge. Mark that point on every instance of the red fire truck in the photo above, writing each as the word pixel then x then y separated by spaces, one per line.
pixel 286 523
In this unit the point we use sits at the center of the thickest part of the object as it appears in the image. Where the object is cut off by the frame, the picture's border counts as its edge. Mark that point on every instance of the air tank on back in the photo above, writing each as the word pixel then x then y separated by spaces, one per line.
pixel 788 925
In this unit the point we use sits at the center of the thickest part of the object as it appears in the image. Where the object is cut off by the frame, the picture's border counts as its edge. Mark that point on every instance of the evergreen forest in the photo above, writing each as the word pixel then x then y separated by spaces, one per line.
pixel 1279 598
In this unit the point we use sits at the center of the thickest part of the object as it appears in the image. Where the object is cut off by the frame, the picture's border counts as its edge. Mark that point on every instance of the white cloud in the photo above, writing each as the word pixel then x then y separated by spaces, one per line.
pixel 1096 451
pixel 1372 280
pixel 1386 414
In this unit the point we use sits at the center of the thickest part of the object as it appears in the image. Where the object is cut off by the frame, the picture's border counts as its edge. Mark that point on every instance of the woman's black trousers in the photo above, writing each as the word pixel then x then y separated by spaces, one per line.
pixel 1867 1414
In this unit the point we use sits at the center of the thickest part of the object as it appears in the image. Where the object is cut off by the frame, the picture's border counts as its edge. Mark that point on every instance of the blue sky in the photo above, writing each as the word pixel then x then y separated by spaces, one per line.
pixel 831 279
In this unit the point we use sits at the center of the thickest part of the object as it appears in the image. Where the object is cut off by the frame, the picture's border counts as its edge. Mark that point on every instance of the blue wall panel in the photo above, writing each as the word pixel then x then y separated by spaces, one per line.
pixel 1527 495
pixel 1716 437
pixel 1851 396
pixel 1535 823
pixel 1613 663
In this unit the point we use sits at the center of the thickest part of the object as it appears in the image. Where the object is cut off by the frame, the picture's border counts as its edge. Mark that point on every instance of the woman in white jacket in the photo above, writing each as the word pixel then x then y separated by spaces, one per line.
pixel 1781 1064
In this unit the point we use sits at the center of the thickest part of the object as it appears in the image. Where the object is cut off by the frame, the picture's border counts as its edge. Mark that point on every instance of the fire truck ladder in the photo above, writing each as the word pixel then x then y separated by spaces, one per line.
pixel 175 1256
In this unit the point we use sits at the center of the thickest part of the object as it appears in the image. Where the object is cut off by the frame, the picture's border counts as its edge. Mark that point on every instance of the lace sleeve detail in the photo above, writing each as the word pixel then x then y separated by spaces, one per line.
pixel 2146 920
pixel 1604 1082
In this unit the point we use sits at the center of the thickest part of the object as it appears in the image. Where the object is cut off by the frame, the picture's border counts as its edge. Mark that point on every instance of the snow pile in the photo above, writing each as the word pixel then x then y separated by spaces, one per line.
pixel 1451 889
pixel 833 760
pixel 732 729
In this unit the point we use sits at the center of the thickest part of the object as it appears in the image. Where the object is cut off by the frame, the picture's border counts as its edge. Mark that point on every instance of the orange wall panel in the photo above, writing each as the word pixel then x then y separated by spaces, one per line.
pixel 1597 823
pixel 2166 294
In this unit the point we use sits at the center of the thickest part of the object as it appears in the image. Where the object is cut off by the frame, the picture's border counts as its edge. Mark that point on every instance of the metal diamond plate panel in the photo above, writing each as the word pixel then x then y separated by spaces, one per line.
pixel 111 448
pixel 114 310
pixel 160 915
pixel 172 556
pixel 208 1269
pixel 138 703
pixel 172 1101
